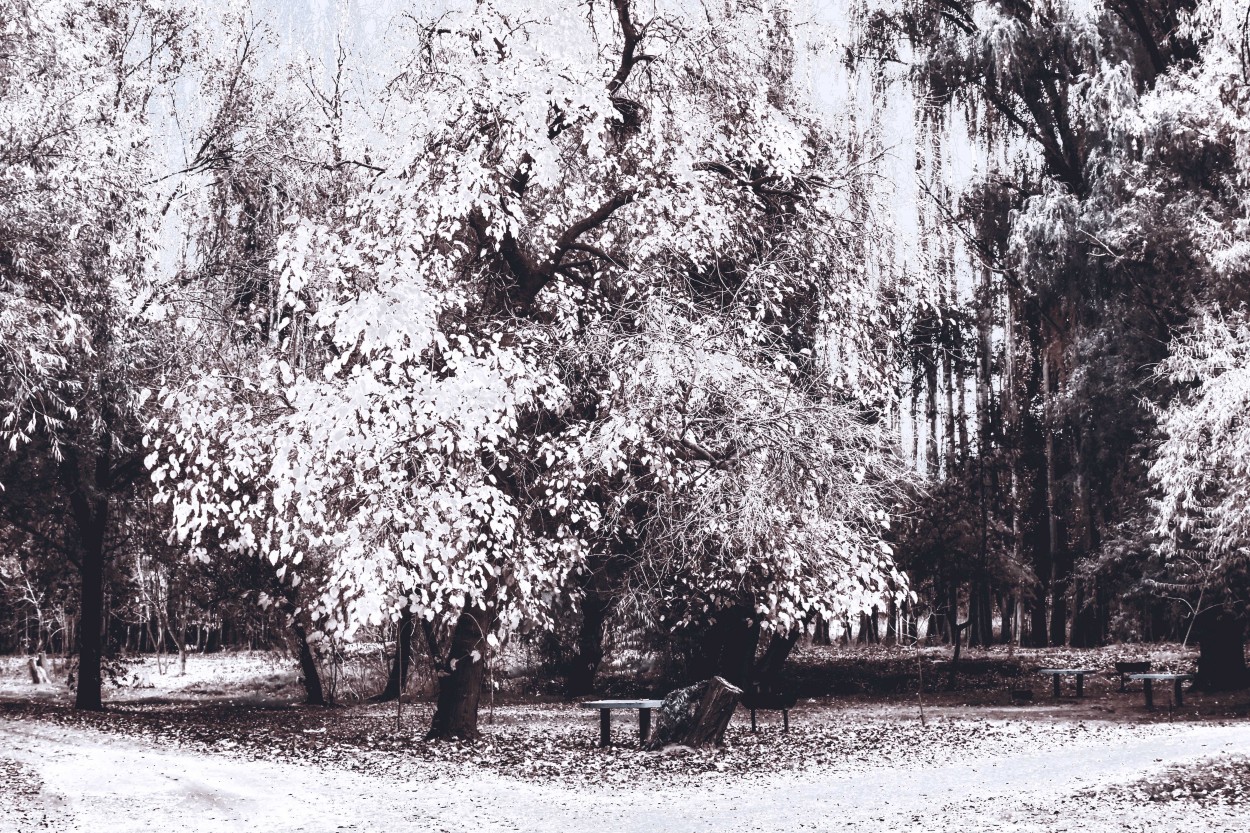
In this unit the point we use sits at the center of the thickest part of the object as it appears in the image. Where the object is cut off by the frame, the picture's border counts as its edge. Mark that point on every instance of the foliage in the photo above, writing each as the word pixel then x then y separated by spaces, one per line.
pixel 1201 467
pixel 546 323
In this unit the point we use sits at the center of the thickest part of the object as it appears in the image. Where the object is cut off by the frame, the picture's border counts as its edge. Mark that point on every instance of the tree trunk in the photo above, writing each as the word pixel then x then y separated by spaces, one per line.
pixel 580 678
pixel 979 614
pixel 88 695
pixel 732 644
pixel 182 644
pixel 314 694
pixel 1221 650
pixel 1086 616
pixel 401 666
pixel 948 421
pixel 822 635
pixel 1059 560
pixel 931 413
pixel 1007 630
pixel 461 676
pixel 775 654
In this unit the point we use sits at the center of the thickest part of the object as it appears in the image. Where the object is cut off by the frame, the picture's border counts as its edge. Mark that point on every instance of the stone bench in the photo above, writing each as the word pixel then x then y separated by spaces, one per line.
pixel 606 707
pixel 1148 680
pixel 1056 673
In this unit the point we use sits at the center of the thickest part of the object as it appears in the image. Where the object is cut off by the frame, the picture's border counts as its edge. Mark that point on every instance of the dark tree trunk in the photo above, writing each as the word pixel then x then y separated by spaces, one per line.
pixel 1084 616
pixel 1060 559
pixel 822 636
pixel 987 613
pixel 727 647
pixel 951 618
pixel 314 694
pixel 976 635
pixel 90 505
pixel 212 642
pixel 461 676
pixel 891 623
pixel 91 627
pixel 580 679
pixel 1007 632
pixel 931 410
pixel 1221 651
pixel 775 655
pixel 401 665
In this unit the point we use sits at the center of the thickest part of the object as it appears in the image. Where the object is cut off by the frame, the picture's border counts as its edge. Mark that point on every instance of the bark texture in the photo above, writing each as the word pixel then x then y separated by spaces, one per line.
pixel 314 694
pixel 460 678
pixel 696 715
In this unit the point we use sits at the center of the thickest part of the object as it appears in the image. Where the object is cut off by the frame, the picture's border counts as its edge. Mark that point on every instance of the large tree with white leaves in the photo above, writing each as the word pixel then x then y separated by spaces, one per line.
pixel 601 285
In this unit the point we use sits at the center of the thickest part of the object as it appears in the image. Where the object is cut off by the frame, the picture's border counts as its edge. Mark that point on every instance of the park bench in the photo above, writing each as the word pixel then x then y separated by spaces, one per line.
pixel 1147 681
pixel 1056 673
pixel 606 708
pixel 1124 669
pixel 769 696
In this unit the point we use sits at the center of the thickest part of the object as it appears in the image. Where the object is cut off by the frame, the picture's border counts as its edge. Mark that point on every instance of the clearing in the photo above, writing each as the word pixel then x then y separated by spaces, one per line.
pixel 205 757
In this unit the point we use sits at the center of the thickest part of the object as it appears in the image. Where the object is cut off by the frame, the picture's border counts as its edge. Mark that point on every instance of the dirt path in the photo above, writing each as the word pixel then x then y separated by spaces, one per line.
pixel 82 780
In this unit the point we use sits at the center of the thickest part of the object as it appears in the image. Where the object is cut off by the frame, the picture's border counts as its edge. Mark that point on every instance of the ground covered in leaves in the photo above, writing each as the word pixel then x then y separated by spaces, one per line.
pixel 972 744
pixel 1222 781
pixel 561 742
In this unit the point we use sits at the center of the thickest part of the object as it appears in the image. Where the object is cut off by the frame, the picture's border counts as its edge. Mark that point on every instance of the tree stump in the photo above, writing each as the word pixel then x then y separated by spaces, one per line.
pixel 696 715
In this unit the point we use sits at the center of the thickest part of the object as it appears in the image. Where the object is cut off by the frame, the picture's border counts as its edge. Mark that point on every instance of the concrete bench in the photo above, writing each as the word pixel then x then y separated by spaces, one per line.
pixel 606 707
pixel 1056 673
pixel 1148 680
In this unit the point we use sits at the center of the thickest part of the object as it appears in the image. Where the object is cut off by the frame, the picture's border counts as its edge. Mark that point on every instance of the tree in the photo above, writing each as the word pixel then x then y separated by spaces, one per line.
pixel 1201 470
pixel 78 233
pixel 120 117
pixel 1081 221
pixel 476 381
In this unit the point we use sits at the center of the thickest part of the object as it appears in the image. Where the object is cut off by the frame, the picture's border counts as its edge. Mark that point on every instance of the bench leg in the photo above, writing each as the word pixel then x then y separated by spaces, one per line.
pixel 785 720
pixel 753 728
pixel 1123 687
pixel 644 725
pixel 605 727
pixel 1055 687
pixel 1180 696
pixel 1080 685
pixel 1148 688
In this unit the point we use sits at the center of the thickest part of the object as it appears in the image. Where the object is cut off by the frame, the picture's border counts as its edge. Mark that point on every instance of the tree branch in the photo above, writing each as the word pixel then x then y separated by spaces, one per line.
pixel 629 48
